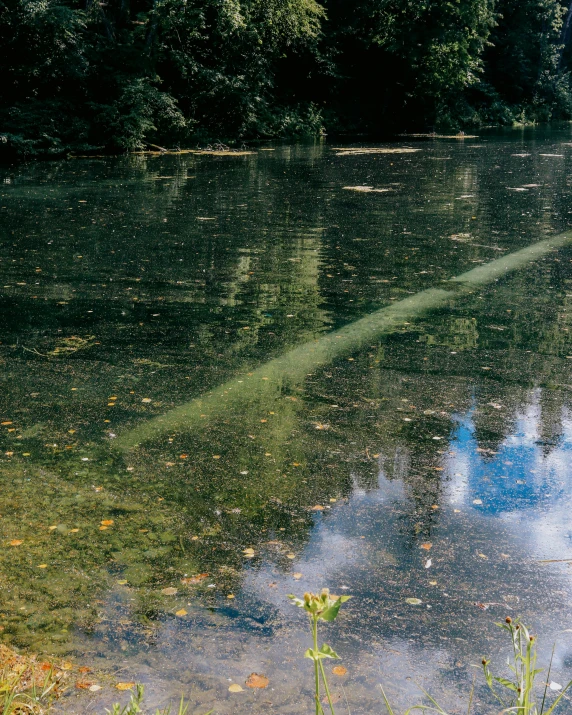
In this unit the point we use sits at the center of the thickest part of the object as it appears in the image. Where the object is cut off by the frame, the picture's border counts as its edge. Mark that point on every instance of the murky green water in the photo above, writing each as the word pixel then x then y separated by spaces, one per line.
pixel 176 364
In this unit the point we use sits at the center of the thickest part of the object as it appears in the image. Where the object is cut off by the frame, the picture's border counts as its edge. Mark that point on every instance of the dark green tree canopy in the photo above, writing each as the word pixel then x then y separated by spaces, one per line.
pixel 118 74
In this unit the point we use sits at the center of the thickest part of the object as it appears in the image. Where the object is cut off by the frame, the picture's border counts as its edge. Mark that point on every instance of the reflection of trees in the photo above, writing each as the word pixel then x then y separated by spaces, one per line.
pixel 265 257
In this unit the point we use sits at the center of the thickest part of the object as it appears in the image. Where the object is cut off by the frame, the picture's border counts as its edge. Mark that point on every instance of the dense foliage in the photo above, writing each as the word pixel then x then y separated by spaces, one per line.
pixel 118 74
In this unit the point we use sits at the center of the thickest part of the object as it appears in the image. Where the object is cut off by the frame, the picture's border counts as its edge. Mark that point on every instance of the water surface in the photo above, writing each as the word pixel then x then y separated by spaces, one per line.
pixel 133 286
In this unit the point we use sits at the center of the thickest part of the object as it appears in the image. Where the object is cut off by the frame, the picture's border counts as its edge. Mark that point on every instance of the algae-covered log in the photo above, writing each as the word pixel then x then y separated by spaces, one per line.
pixel 266 382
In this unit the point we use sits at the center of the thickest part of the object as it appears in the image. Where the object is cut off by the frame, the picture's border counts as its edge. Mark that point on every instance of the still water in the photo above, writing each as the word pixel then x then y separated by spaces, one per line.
pixel 197 420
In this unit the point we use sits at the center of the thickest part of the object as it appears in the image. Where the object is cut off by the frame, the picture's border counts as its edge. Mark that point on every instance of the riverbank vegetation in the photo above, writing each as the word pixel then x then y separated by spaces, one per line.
pixel 89 76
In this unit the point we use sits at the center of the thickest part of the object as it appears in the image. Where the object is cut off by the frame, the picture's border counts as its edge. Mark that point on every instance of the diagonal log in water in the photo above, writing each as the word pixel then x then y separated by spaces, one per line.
pixel 291 368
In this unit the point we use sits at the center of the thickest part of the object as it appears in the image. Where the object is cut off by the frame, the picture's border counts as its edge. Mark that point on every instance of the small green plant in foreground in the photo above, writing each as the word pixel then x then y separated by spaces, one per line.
pixel 320 607
pixel 133 707
pixel 25 692
pixel 517 695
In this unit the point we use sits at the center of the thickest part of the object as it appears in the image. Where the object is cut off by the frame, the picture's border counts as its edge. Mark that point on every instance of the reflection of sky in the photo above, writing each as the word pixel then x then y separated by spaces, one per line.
pixel 362 546
pixel 522 473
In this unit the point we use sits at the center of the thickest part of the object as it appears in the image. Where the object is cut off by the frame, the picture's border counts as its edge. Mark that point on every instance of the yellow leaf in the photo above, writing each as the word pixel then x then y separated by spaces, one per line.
pixel 249 552
pixel 125 686
pixel 73 531
pixel 427 546
pixel 317 508
pixel 122 582
pixel 230 595
pixel 297 576
pixel 146 399
pixel 290 556
pixel 339 670
pixel 255 680
pixel 191 580
pixel 181 612
pixel 16 542
pixel 236 688
pixel 43 566
pixel 107 522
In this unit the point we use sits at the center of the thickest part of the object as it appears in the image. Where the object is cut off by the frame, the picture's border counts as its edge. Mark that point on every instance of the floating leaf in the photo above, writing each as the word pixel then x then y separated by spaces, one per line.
pixel 169 591
pixel 125 686
pixel 190 580
pixel 413 601
pixel 236 688
pixel 339 670
pixel 255 680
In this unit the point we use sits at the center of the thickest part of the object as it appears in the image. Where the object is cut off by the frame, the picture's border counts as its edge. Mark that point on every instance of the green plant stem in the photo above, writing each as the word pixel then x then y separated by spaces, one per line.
pixel 316 668
pixel 327 689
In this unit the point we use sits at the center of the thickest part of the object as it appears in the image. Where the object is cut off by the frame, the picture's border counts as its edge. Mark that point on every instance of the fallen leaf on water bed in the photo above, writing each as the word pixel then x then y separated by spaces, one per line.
pixel 236 688
pixel 427 546
pixel 16 542
pixel 317 508
pixel 428 563
pixel 249 553
pixel 83 685
pixel 94 688
pixel 477 501
pixel 230 595
pixel 146 400
pixel 84 669
pixel 255 680
pixel 297 576
pixel 413 601
pixel 125 686
pixel 122 582
pixel 339 670
pixel 107 522
pixel 181 612
pixel 334 697
pixel 169 591
pixel 190 580
pixel 43 566
pixel 290 556
pixel 366 189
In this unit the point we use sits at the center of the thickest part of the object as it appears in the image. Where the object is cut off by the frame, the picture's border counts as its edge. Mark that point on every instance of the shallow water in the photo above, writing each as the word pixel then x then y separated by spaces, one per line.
pixel 176 362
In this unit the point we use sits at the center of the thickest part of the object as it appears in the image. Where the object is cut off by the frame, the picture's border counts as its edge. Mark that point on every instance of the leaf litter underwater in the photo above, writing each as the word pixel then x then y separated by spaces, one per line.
pixel 419 462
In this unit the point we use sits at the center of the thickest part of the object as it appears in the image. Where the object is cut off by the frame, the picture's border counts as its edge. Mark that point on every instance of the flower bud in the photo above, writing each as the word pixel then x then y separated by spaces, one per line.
pixel 508 619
